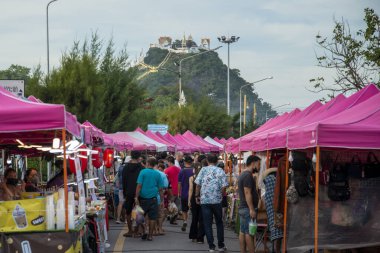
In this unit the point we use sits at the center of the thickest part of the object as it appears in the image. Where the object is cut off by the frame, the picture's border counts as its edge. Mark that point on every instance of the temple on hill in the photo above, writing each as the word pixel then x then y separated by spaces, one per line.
pixel 183 46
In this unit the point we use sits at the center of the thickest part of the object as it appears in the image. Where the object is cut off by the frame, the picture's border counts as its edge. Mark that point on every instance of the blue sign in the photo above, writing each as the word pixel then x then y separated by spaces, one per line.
pixel 161 128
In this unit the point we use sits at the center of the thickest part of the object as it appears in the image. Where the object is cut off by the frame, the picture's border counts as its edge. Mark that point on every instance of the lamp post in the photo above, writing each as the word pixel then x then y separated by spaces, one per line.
pixel 180 66
pixel 47 35
pixel 228 41
pixel 249 84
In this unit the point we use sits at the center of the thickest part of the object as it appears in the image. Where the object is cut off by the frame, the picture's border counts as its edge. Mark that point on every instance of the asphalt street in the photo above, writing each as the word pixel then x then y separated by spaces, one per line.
pixel 174 240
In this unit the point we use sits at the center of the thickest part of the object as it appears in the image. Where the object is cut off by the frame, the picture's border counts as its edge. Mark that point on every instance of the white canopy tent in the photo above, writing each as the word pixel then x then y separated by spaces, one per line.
pixel 160 147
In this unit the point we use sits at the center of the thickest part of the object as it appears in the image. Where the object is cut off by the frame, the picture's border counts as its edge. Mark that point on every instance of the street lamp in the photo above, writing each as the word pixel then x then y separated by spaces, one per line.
pixel 180 66
pixel 47 35
pixel 249 84
pixel 228 41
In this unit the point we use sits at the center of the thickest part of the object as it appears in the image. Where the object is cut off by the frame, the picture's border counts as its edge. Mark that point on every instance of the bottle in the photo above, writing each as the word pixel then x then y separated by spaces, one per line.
pixel 252 227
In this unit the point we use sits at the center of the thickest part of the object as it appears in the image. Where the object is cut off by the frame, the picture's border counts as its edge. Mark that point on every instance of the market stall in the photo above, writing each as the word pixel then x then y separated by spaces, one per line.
pixel 337 145
pixel 53 217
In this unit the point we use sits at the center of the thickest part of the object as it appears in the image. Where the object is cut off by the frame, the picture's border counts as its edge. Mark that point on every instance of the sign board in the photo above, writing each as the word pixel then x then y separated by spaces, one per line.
pixel 17 87
pixel 161 128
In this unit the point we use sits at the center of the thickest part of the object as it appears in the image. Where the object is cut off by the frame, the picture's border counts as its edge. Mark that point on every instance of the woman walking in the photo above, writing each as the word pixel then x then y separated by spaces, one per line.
pixel 197 232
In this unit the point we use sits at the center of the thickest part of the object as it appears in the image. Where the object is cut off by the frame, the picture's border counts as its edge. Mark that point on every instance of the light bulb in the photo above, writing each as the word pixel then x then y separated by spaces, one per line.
pixel 314 159
pixel 290 157
pixel 56 142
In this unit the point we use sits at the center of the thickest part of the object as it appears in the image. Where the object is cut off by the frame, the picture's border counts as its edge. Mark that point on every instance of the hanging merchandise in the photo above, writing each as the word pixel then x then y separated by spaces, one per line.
pixel 108 157
pixel 72 165
pixel 83 158
pixel 291 193
pixel 97 159
pixel 372 167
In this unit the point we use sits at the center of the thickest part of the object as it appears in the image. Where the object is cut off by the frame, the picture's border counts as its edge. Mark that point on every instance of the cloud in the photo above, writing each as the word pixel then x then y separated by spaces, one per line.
pixel 277 37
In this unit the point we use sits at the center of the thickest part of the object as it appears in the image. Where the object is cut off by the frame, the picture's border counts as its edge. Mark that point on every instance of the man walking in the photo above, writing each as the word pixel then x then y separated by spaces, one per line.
pixel 211 182
pixel 249 200
pixel 179 159
pixel 172 172
pixel 130 173
pixel 183 188
pixel 149 185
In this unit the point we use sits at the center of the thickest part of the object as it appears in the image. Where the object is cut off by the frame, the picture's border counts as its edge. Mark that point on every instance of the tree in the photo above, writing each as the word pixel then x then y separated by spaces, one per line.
pixel 354 56
pixel 178 118
pixel 202 117
pixel 95 84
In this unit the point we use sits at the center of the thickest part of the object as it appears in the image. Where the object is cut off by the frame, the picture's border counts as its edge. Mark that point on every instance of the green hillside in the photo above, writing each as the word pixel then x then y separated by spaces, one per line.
pixel 202 75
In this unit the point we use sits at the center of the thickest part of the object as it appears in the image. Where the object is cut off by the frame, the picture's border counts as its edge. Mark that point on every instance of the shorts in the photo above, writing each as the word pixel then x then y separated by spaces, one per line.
pixel 185 205
pixel 129 204
pixel 150 207
pixel 245 218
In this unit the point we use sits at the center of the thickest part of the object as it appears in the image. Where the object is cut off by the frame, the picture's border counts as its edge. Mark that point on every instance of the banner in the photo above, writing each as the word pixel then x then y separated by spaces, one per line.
pixel 22 215
pixel 41 242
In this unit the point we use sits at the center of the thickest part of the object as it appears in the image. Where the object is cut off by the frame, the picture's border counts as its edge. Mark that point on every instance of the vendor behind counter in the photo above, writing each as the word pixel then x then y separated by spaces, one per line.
pixel 31 180
pixel 9 189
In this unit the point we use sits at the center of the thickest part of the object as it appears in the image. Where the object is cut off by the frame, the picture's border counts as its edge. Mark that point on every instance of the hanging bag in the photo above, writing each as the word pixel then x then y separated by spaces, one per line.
pixel 338 188
pixel 372 167
pixel 355 167
pixel 291 193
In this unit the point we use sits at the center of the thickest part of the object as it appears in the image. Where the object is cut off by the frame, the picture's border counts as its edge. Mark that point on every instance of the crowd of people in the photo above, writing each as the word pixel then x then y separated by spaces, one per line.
pixel 171 187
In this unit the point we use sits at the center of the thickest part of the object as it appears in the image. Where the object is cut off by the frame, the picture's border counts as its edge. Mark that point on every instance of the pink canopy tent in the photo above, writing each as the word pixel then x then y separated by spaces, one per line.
pixel 169 138
pixel 190 144
pixel 276 135
pixel 18 115
pixel 92 134
pixel 124 137
pixel 217 146
pixel 192 138
pixel 150 134
pixel 188 147
pixel 259 139
pixel 356 127
pixel 216 139
pixel 160 147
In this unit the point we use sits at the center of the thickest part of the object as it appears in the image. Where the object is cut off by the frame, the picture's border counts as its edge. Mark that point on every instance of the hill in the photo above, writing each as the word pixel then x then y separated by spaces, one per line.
pixel 202 75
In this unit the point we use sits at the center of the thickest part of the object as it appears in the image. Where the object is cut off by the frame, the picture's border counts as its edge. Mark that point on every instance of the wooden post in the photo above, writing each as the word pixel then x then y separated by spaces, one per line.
pixel 286 201
pixel 65 180
pixel 316 201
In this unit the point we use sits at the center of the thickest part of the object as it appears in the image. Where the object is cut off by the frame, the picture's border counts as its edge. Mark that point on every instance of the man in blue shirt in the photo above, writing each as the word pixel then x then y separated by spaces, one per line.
pixel 211 183
pixel 149 185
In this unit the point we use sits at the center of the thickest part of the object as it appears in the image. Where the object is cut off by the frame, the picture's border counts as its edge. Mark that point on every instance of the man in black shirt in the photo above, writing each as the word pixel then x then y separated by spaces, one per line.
pixel 129 181
pixel 249 200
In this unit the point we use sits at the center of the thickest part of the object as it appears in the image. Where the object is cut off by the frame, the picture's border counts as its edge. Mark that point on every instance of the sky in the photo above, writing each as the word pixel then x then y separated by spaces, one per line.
pixel 277 38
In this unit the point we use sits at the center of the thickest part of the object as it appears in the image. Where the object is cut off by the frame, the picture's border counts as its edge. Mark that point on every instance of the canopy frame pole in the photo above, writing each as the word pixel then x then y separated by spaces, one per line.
pixel 286 201
pixel 267 160
pixel 316 201
pixel 240 162
pixel 65 180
